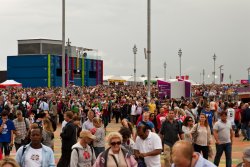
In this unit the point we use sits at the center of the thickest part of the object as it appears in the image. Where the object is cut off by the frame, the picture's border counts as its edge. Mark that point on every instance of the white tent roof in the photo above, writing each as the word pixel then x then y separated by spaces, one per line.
pixel 10 82
pixel 127 77
pixel 106 77
pixel 116 78
pixel 138 79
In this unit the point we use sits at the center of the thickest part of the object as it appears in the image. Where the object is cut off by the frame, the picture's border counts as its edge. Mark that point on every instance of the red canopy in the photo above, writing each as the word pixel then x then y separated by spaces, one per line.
pixel 10 83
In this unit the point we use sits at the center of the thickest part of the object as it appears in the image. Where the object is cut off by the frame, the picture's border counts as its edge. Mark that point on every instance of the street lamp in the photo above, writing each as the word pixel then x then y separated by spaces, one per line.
pixel 180 53
pixel 203 73
pixel 149 48
pixel 248 73
pixel 220 73
pixel 200 77
pixel 214 58
pixel 230 78
pixel 165 67
pixel 135 50
pixel 63 48
pixel 68 58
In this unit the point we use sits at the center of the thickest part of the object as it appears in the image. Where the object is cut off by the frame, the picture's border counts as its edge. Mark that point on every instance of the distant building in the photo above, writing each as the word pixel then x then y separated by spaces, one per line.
pixel 39 64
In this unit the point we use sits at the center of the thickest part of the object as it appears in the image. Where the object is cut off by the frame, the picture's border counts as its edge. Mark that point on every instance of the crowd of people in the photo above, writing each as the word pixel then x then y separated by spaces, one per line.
pixel 181 131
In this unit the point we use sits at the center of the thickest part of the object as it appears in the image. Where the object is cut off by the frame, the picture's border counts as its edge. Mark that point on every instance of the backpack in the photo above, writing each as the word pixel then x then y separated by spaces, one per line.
pixel 77 150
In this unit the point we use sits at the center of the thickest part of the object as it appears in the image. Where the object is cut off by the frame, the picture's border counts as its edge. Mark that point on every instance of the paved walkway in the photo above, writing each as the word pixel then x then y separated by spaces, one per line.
pixel 238 145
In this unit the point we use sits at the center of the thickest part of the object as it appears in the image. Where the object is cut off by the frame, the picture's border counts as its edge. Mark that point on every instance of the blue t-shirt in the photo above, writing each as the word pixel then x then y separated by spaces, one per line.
pixel 5 135
pixel 209 115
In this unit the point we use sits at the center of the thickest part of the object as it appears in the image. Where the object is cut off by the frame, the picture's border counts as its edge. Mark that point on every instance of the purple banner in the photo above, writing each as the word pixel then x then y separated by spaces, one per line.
pixel 243 89
pixel 164 89
pixel 187 89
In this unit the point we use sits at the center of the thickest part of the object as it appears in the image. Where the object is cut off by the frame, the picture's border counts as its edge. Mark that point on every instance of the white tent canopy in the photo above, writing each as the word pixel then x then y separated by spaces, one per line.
pixel 138 79
pixel 116 79
pixel 10 83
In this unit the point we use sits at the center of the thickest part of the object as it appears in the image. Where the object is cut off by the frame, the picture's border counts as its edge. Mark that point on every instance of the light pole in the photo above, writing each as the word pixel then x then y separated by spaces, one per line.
pixel 214 58
pixel 149 48
pixel 230 78
pixel 68 59
pixel 63 48
pixel 165 67
pixel 200 77
pixel 203 73
pixel 220 73
pixel 134 50
pixel 180 54
pixel 248 73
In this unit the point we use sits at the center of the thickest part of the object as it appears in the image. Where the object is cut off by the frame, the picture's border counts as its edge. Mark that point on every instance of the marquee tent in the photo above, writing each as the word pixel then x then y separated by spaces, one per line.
pixel 10 83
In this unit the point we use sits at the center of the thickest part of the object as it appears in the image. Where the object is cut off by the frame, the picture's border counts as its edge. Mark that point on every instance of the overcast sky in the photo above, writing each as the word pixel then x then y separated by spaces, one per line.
pixel 199 27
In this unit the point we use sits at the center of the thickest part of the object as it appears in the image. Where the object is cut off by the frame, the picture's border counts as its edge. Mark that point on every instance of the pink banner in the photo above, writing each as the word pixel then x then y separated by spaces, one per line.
pixel 244 81
pixel 164 89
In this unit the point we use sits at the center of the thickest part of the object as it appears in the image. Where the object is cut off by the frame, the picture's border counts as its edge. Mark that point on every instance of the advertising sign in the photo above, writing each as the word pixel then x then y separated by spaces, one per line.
pixel 164 89
pixel 244 81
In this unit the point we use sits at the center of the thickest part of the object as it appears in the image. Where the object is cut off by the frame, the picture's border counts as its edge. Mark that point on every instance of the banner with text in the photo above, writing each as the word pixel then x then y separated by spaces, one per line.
pixel 164 89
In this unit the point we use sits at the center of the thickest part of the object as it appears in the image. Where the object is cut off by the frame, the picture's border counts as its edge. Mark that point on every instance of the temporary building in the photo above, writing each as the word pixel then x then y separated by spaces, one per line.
pixel 10 83
pixel 117 80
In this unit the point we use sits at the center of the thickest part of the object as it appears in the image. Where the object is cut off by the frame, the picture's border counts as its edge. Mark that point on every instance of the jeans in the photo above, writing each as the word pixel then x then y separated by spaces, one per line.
pixel 211 129
pixel 105 121
pixel 237 128
pixel 5 146
pixel 227 148
pixel 203 149
pixel 246 130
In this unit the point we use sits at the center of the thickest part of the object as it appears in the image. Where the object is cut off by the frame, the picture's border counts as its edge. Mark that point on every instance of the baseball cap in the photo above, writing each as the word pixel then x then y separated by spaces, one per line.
pixel 86 133
pixel 145 109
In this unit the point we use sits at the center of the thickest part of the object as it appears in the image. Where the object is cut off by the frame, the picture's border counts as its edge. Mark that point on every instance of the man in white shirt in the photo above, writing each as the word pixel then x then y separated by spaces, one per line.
pixel 88 125
pixel 148 145
pixel 231 114
pixel 44 105
pixel 223 135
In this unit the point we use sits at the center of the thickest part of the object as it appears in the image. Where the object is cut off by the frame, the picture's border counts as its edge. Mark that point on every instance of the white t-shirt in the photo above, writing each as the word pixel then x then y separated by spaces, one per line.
pixel 33 157
pixel 223 131
pixel 231 115
pixel 133 110
pixel 63 124
pixel 152 142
